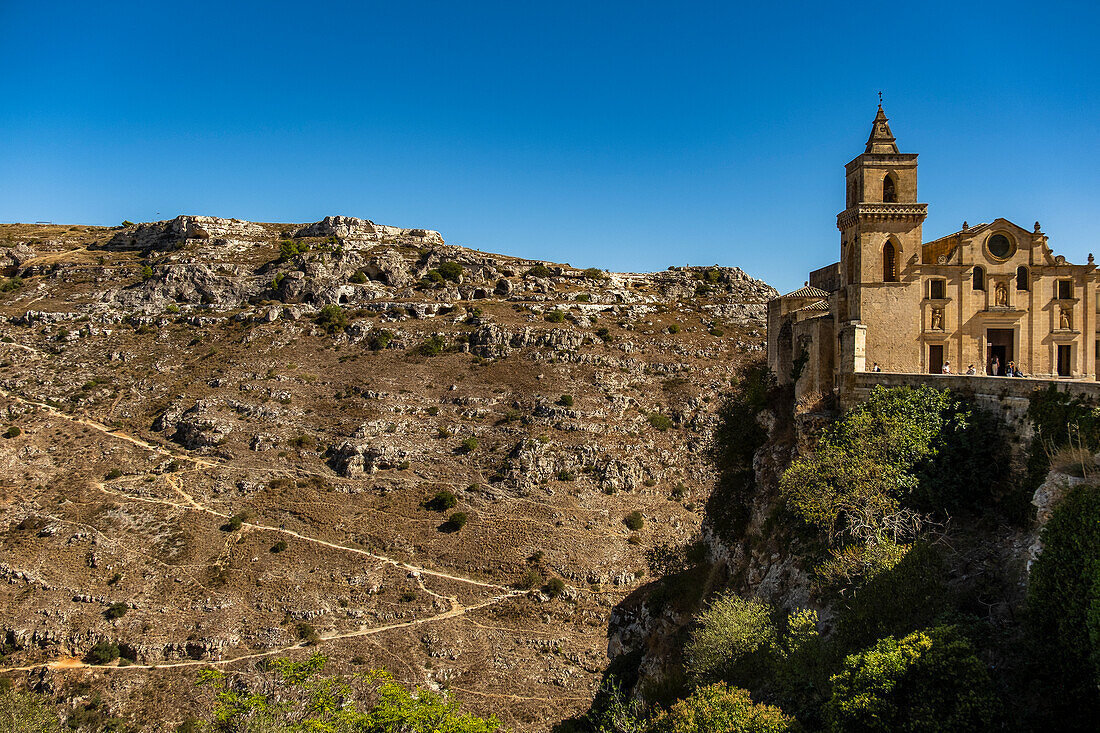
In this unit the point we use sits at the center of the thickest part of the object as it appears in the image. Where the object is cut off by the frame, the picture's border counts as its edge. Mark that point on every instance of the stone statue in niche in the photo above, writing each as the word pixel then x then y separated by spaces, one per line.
pixel 1001 296
pixel 1064 323
pixel 937 319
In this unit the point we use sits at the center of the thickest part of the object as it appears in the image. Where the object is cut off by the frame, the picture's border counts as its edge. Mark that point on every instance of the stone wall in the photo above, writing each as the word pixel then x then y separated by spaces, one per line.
pixel 1010 395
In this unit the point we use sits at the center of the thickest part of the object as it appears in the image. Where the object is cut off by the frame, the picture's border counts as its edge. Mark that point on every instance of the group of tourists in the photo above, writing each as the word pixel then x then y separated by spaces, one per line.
pixel 993 370
pixel 1011 370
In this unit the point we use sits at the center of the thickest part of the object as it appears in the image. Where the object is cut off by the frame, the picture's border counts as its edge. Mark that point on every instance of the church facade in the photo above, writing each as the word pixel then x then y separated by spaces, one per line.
pixel 984 296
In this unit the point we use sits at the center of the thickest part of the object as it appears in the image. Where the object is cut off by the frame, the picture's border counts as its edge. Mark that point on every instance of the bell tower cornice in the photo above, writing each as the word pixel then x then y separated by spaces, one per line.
pixel 880 212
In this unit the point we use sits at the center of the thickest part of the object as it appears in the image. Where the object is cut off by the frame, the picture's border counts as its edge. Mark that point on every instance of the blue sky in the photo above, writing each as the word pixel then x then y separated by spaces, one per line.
pixel 629 136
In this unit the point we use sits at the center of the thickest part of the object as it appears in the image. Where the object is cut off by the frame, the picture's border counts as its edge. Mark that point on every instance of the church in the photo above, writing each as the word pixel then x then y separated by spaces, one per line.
pixel 985 296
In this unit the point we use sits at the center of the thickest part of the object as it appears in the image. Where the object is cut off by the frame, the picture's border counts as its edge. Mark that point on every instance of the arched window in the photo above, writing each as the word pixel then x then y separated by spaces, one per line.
pixel 889 263
pixel 979 278
pixel 1022 278
pixel 889 190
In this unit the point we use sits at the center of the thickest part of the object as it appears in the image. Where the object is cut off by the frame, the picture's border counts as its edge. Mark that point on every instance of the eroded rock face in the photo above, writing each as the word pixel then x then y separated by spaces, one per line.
pixel 349 227
pixel 354 460
pixel 170 235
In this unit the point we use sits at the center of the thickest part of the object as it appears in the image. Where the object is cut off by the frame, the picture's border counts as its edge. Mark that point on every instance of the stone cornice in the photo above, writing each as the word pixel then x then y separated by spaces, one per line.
pixel 881 212
pixel 878 159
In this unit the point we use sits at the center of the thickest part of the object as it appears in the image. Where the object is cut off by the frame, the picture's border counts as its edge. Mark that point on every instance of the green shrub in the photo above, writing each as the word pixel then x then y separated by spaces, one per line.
pixel 717 708
pixel 235 522
pixel 103 652
pixel 289 248
pixel 146 272
pixel 434 277
pixel 583 297
pixel 26 712
pixel 457 521
pixel 359 277
pixel 603 333
pixel 277 281
pixel 928 681
pixel 555 316
pixel 594 273
pixel 279 546
pixel 659 421
pixel 332 318
pixel 172 308
pixel 379 339
pixel 530 578
pixel 442 501
pixel 469 445
pixel 1059 419
pixel 634 521
pixel 554 587
pixel 127 223
pixel 116 610
pixel 674 328
pixel 735 640
pixel 113 474
pixel 304 442
pixel 298 696
pixel 922 449
pixel 13 283
pixel 716 332
pixel 450 271
pixel 566 400
pixel 434 346
pixel 1064 589
pixel 13 432
pixel 308 634
pixel 538 271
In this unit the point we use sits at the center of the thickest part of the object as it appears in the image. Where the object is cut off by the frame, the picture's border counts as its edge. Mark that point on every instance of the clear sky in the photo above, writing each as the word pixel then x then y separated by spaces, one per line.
pixel 628 136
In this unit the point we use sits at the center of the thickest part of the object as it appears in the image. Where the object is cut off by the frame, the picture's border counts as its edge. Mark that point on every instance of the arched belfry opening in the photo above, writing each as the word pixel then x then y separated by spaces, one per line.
pixel 889 263
pixel 889 190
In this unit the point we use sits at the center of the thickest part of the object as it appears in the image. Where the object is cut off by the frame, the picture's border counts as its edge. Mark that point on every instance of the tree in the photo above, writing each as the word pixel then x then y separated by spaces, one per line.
pixel 721 709
pixel 900 452
pixel 928 681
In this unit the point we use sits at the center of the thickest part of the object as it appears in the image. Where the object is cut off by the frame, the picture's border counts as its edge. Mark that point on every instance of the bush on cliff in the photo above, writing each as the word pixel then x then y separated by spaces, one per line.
pixel 721 708
pixel 296 697
pixel 736 439
pixel 928 681
pixel 1064 591
pixel 900 451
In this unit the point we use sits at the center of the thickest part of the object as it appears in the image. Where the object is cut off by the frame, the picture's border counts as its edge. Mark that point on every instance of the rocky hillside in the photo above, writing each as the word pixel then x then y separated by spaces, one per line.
pixel 227 441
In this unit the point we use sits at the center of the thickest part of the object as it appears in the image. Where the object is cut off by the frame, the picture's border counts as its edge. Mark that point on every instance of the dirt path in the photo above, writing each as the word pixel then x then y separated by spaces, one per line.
pixel 189 503
pixel 454 612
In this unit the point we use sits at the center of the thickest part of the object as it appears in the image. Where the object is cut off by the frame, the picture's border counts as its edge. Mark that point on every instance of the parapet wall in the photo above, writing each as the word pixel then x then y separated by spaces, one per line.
pixel 1009 395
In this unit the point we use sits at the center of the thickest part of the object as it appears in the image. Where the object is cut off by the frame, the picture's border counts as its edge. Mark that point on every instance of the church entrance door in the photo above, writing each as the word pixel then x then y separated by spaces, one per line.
pixel 1000 347
pixel 935 358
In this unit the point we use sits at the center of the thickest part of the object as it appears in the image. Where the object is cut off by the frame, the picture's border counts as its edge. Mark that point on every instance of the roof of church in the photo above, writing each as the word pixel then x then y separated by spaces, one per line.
pixel 807 292
pixel 817 305
pixel 881 139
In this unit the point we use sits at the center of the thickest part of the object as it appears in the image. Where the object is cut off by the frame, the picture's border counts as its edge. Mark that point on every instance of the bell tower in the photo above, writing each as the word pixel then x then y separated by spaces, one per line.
pixel 880 227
